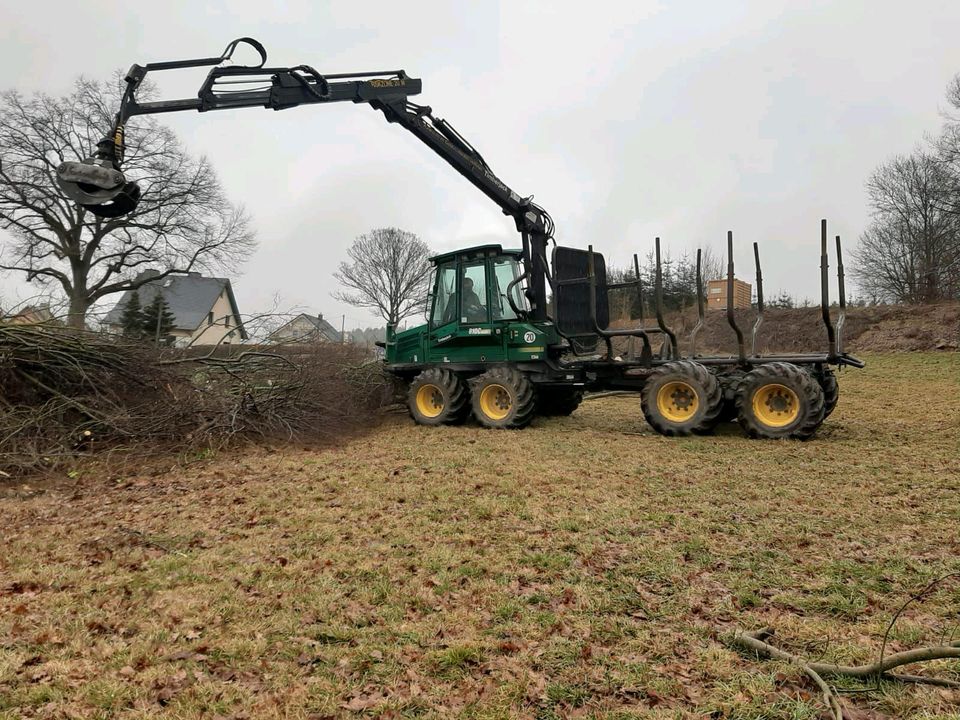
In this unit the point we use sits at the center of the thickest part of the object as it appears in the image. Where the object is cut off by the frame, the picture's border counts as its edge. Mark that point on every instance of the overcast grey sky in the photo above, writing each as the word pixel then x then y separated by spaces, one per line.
pixel 626 120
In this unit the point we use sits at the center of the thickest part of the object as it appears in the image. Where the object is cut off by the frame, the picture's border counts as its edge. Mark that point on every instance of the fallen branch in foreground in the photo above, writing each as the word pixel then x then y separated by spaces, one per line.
pixel 68 392
pixel 756 641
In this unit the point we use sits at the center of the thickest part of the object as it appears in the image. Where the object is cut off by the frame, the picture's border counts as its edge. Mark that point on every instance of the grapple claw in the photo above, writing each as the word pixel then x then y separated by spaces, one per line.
pixel 98 187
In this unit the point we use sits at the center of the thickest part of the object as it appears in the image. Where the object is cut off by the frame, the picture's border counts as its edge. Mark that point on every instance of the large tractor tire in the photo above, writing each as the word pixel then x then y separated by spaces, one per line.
pixel 780 400
pixel 729 384
pixel 682 398
pixel 502 398
pixel 831 390
pixel 437 397
pixel 558 400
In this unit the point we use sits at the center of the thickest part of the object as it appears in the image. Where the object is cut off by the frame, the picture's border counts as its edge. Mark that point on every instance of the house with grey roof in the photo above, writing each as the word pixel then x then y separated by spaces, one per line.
pixel 305 328
pixel 204 308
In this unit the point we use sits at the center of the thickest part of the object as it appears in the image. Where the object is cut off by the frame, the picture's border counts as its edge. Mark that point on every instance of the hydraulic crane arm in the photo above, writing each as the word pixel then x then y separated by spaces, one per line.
pixel 99 185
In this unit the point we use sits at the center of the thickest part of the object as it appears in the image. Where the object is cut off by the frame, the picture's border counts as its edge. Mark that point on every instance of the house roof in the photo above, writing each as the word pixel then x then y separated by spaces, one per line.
pixel 190 298
pixel 30 315
pixel 317 321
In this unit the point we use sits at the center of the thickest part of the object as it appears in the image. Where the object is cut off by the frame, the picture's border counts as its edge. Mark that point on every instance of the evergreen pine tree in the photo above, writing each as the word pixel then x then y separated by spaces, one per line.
pixel 157 307
pixel 131 320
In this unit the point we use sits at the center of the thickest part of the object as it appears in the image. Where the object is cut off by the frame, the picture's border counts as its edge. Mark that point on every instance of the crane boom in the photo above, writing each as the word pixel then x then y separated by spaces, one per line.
pixel 99 185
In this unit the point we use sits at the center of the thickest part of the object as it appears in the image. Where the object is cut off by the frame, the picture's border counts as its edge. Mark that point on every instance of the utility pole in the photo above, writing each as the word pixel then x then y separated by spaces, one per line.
pixel 159 315
pixel 343 322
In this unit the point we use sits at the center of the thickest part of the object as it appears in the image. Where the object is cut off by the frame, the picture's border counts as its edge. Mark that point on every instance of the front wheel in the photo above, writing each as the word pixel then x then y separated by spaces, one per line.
pixel 437 397
pixel 780 400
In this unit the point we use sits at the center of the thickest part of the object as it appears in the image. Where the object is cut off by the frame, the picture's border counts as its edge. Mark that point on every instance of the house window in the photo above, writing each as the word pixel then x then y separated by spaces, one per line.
pixel 210 318
pixel 226 321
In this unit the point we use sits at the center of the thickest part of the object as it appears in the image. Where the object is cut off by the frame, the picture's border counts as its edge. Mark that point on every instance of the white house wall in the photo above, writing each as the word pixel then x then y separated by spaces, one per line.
pixel 213 334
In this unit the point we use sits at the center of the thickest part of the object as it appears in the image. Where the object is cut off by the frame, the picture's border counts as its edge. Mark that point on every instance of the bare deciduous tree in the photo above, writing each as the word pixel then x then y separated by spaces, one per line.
pixel 910 253
pixel 388 272
pixel 183 222
pixel 948 143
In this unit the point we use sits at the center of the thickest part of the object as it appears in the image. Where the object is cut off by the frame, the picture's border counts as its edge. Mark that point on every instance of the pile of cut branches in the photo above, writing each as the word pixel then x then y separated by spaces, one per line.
pixel 65 391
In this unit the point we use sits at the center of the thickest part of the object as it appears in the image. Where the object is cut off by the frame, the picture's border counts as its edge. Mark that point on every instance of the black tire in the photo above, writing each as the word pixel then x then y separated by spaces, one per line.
pixel 831 390
pixel 682 398
pixel 729 384
pixel 780 400
pixel 558 400
pixel 502 398
pixel 437 397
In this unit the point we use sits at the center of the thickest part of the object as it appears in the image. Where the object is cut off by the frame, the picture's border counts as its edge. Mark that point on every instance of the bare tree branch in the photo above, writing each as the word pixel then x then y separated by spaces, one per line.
pixel 183 222
pixel 911 251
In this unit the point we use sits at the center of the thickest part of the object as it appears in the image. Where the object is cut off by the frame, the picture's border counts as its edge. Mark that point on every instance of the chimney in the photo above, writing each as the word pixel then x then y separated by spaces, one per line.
pixel 320 317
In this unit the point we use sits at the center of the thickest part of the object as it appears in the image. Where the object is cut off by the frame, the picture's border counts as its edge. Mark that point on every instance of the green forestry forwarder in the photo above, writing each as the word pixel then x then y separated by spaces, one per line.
pixel 496 345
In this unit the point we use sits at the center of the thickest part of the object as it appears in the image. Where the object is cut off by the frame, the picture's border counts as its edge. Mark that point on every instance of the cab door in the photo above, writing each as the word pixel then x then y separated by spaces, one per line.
pixel 444 314
pixel 473 336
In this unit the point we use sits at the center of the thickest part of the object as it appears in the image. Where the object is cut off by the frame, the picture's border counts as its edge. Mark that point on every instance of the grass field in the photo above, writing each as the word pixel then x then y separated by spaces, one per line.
pixel 584 567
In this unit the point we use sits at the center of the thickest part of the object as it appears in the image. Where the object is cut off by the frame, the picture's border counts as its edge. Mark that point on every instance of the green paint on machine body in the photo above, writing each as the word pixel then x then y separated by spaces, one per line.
pixel 470 318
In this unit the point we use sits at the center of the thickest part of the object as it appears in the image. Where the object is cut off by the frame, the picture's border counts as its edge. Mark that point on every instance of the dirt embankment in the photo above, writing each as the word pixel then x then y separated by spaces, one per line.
pixel 880 328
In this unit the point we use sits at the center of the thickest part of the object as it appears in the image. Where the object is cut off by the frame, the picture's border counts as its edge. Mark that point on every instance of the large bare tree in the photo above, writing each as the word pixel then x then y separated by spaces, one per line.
pixel 948 143
pixel 910 253
pixel 388 272
pixel 183 222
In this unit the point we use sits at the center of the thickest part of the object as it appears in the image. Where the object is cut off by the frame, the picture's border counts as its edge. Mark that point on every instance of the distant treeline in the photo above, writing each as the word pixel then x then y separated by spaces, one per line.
pixel 366 336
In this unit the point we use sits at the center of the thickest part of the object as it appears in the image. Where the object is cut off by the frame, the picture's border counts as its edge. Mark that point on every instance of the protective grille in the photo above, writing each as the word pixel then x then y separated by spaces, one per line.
pixel 572 301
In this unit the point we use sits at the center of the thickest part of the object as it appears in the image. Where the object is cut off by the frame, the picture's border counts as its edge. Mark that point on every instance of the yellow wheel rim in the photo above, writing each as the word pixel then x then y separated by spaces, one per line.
pixel 677 401
pixel 429 401
pixel 776 405
pixel 495 402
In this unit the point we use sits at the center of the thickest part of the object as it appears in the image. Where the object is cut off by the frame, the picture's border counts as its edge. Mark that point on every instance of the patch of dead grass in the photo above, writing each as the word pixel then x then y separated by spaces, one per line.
pixel 582 567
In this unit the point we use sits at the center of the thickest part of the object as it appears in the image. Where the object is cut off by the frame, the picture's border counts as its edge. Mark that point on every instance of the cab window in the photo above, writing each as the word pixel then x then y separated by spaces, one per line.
pixel 473 293
pixel 444 296
pixel 505 271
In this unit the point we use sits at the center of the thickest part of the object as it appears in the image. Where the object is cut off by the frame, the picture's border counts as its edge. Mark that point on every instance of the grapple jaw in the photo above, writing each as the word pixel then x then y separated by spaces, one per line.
pixel 98 187
pixel 97 183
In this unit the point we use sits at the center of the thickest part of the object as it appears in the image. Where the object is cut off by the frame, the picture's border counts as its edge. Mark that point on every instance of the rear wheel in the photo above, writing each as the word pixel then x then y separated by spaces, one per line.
pixel 729 384
pixel 437 397
pixel 502 398
pixel 558 400
pixel 780 400
pixel 831 390
pixel 681 398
